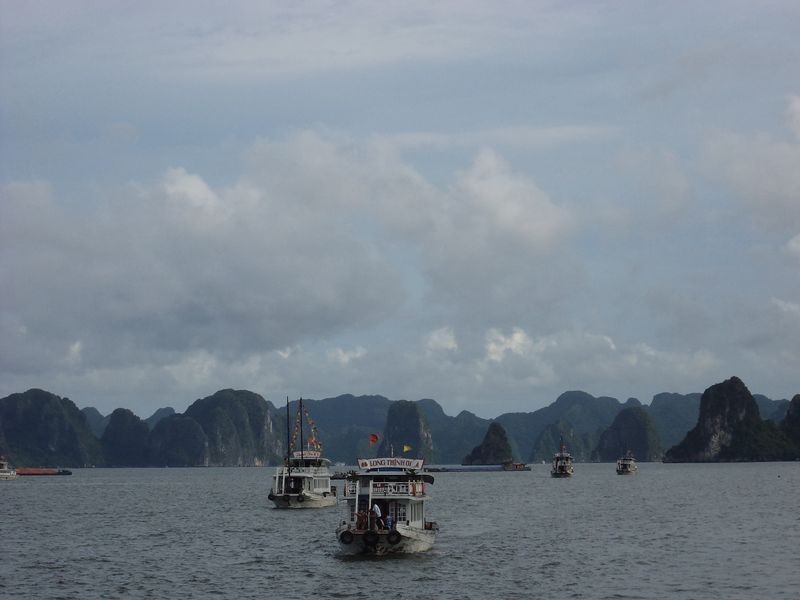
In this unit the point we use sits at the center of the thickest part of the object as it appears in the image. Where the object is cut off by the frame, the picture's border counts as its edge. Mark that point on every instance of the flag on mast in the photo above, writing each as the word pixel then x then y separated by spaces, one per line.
pixel 373 438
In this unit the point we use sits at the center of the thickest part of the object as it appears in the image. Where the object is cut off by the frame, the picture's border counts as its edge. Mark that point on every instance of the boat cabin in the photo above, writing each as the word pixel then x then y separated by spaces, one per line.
pixel 386 493
pixel 305 472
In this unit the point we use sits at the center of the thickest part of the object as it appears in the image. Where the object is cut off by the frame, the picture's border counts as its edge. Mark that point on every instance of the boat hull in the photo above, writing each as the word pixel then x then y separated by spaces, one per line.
pixel 403 540
pixel 309 501
pixel 8 476
pixel 560 475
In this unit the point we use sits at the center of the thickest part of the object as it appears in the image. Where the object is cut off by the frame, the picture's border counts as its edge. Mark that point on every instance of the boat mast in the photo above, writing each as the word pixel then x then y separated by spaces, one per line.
pixel 300 412
pixel 288 440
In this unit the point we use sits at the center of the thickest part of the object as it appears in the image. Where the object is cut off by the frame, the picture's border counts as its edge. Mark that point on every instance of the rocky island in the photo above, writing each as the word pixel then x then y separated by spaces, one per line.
pixel 493 450
pixel 729 428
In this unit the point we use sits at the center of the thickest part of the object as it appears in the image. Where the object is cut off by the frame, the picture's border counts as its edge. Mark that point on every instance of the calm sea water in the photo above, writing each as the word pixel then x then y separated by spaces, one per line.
pixel 671 531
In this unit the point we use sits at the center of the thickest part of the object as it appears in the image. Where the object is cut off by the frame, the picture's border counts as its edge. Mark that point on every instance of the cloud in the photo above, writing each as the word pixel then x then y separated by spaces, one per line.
pixel 662 185
pixel 793 246
pixel 498 344
pixel 503 137
pixel 74 353
pixel 268 40
pixel 763 172
pixel 479 242
pixel 194 286
pixel 513 206
pixel 180 267
pixel 788 308
pixel 320 235
pixel 345 357
pixel 793 115
pixel 584 360
pixel 442 339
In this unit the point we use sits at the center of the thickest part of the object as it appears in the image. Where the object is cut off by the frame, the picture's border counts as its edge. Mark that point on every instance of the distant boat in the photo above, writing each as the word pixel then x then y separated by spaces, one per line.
pixel 6 471
pixel 29 471
pixel 397 489
pixel 515 466
pixel 626 465
pixel 304 481
pixel 562 463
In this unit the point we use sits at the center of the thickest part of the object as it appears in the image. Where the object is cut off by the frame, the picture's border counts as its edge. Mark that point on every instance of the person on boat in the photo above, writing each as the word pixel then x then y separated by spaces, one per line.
pixel 376 512
pixel 361 520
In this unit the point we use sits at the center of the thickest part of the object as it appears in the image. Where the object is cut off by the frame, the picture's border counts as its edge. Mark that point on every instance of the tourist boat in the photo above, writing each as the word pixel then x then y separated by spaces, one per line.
pixel 6 471
pixel 398 490
pixel 626 465
pixel 562 463
pixel 304 480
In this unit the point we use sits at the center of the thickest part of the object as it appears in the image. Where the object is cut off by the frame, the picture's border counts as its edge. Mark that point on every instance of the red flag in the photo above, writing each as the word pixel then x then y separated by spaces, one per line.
pixel 373 438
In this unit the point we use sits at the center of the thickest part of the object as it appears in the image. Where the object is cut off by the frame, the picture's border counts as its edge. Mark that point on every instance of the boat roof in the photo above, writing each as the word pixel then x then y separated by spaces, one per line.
pixel 394 468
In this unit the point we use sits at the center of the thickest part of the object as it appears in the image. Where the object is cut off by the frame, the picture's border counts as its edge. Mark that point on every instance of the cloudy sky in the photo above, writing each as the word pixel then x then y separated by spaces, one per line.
pixel 483 203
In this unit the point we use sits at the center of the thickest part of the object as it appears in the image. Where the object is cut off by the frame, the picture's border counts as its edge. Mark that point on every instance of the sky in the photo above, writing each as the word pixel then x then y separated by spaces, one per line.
pixel 483 203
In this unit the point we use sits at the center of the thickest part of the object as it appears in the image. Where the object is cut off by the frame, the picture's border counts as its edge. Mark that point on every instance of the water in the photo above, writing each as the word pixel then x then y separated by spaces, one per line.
pixel 677 531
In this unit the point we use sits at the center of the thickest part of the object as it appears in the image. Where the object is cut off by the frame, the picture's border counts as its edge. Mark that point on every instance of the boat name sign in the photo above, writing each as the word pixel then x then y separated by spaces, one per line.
pixel 307 454
pixel 397 462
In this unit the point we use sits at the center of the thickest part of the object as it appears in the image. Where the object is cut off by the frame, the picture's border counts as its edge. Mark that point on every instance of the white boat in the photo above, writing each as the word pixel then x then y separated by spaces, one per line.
pixel 626 465
pixel 6 471
pixel 397 488
pixel 562 463
pixel 304 480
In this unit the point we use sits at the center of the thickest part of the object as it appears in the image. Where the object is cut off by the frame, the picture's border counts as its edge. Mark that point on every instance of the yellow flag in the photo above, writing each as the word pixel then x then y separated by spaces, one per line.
pixel 406 447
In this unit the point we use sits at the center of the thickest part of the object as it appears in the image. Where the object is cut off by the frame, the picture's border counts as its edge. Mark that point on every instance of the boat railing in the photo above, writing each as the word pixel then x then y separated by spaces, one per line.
pixel 398 488
pixel 387 488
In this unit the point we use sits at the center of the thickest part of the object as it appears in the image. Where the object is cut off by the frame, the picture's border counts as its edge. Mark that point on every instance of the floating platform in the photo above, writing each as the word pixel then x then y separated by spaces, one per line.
pixel 477 468
pixel 29 471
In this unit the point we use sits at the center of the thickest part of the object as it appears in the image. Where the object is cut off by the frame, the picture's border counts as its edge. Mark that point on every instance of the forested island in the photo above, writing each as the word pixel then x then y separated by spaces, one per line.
pixel 241 428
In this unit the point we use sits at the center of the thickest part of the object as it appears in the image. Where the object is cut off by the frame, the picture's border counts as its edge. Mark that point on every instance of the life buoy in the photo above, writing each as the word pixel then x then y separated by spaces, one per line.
pixel 301 498
pixel 393 537
pixel 370 538
pixel 346 537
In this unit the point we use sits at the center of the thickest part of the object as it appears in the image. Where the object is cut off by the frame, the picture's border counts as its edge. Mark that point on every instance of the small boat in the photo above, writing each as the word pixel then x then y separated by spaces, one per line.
pixel 385 508
pixel 304 480
pixel 6 471
pixel 515 466
pixel 562 463
pixel 626 465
